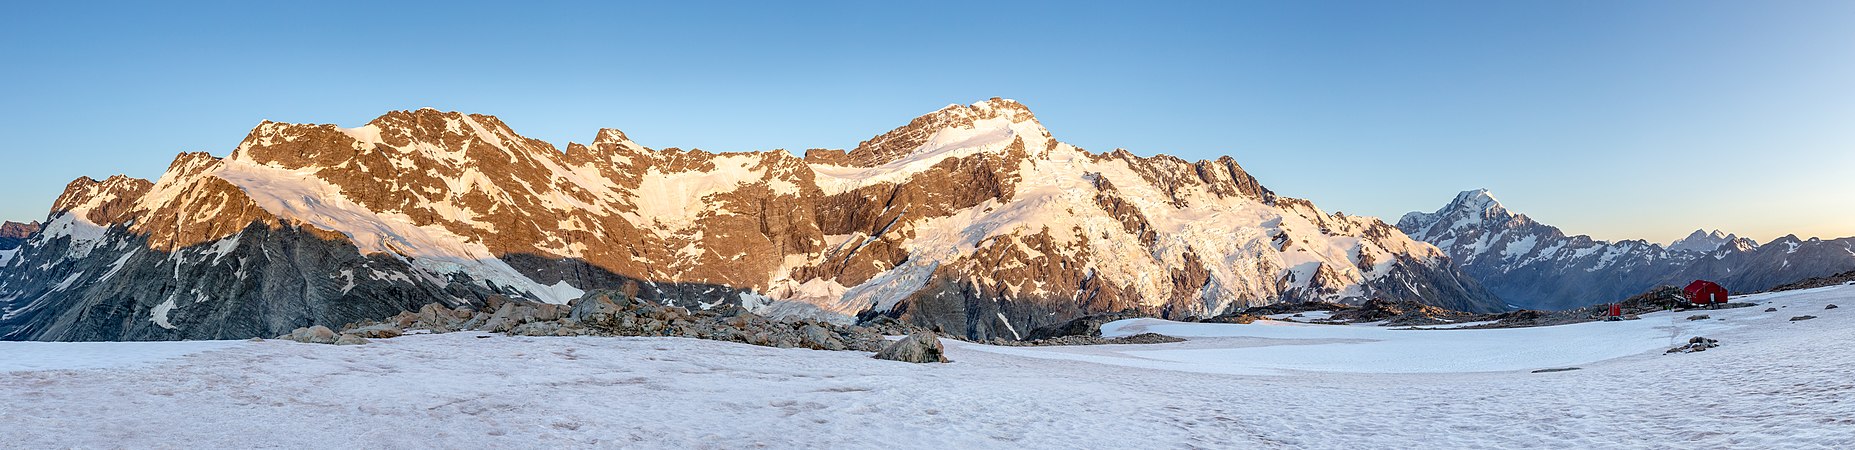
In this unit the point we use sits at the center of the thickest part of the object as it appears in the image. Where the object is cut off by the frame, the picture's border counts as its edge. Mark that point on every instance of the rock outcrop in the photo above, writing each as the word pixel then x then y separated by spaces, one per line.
pixel 615 313
pixel 916 348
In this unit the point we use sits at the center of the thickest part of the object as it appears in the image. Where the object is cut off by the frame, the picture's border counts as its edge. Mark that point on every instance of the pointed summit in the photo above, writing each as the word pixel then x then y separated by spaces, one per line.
pixel 1702 240
pixel 1478 201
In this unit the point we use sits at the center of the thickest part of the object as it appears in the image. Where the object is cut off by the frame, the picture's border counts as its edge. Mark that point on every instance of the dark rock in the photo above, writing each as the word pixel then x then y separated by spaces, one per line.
pixel 817 338
pixel 1695 344
pixel 1142 338
pixel 1832 306
pixel 1771 309
pixel 1699 317
pixel 1087 326
pixel 916 348
pixel 1561 369
pixel 1239 318
pixel 510 315
pixel 597 305
pixel 1794 319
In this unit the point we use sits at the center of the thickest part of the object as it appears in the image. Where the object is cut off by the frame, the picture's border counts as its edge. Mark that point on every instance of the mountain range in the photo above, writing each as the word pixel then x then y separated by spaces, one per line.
pixel 972 219
pixel 1537 266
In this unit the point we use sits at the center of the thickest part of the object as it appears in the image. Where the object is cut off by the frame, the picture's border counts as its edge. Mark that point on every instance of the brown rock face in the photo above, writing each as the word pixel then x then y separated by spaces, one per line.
pixel 12 234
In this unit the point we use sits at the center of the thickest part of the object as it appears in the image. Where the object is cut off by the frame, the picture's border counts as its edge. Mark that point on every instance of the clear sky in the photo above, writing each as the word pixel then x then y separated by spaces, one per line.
pixel 1640 119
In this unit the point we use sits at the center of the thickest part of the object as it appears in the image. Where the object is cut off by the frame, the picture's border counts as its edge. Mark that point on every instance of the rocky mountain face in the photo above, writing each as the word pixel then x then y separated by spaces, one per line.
pixel 13 234
pixel 973 219
pixel 1536 266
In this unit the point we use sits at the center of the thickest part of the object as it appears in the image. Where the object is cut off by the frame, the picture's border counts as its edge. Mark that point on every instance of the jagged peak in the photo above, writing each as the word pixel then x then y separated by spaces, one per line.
pixel 111 194
pixel 188 161
pixel 611 136
pixel 1702 240
pixel 995 116
pixel 425 122
pixel 411 123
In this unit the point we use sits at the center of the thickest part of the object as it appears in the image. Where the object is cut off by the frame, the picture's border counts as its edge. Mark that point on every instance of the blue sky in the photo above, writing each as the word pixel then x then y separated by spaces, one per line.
pixel 1598 117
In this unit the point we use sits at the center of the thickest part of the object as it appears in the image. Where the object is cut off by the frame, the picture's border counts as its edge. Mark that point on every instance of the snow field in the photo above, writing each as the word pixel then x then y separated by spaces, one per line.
pixel 1773 383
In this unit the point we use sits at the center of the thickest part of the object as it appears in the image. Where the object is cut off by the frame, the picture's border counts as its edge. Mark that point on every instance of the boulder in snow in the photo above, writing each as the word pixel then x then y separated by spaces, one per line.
pixel 916 348
pixel 311 335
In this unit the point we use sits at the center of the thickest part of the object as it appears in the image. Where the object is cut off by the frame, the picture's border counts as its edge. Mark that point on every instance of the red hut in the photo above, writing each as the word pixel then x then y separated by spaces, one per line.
pixel 1703 292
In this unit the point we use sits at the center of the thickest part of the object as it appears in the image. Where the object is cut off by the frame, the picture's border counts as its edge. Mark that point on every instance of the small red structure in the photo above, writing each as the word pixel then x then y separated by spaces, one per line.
pixel 1616 310
pixel 1703 292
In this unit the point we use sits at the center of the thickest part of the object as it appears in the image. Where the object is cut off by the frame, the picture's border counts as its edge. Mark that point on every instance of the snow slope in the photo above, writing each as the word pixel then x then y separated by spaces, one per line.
pixel 37 356
pixel 1774 383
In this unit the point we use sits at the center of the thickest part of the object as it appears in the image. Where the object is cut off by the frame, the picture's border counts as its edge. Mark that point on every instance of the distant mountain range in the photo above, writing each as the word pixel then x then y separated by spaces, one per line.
pixel 1533 265
pixel 973 219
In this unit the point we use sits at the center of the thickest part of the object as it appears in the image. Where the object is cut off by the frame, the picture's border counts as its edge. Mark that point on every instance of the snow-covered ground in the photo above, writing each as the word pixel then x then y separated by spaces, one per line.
pixel 1774 383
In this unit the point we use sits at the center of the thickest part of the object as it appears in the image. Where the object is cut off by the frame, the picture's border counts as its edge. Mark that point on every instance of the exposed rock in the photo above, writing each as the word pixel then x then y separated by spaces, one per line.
pixel 1142 338
pixel 14 234
pixel 1771 309
pixel 1794 319
pixel 613 313
pixel 1831 306
pixel 1086 326
pixel 1239 318
pixel 599 305
pixel 1695 344
pixel 311 335
pixel 817 338
pixel 916 348
pixel 349 339
pixel 1402 314
pixel 1699 317
pixel 375 331
pixel 510 315
pixel 1817 282
pixel 1561 369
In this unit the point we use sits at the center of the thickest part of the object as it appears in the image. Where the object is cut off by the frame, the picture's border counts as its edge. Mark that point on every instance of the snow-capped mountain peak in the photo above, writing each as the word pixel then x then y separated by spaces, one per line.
pixel 1478 200
pixel 1470 210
